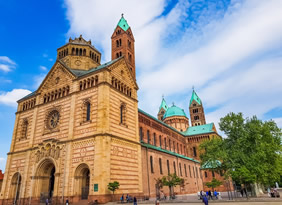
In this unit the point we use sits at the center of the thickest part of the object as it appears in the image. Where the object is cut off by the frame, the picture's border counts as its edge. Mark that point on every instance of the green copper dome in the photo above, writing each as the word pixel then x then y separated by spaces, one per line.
pixel 123 23
pixel 174 111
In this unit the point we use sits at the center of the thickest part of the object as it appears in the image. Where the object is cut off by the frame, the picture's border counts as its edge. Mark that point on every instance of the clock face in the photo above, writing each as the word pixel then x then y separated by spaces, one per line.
pixel 53 119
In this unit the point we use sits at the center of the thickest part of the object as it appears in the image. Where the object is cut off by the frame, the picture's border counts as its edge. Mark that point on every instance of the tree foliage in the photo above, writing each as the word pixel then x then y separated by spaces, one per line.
pixel 113 186
pixel 251 152
pixel 214 183
pixel 171 181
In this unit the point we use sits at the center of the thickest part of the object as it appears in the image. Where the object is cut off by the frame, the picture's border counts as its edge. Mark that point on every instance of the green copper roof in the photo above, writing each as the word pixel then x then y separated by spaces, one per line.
pixel 168 152
pixel 164 105
pixel 211 164
pixel 123 24
pixel 197 130
pixel 196 98
pixel 174 111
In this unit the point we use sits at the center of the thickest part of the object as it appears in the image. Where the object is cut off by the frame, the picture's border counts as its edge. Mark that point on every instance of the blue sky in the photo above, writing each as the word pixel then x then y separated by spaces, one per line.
pixel 230 50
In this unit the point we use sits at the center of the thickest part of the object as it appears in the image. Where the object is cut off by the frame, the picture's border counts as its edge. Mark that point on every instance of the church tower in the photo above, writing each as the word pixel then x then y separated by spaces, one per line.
pixel 162 110
pixel 123 44
pixel 196 110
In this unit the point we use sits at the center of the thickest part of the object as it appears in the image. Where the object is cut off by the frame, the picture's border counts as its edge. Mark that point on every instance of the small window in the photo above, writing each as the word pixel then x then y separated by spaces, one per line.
pixel 148 136
pixel 155 139
pixel 122 114
pixel 185 170
pixel 141 134
pixel 196 117
pixel 160 141
pixel 190 171
pixel 151 162
pixel 160 164
pixel 206 174
pixel 174 167
pixel 168 169
pixel 180 170
pixel 195 151
pixel 24 129
pixel 88 106
pixel 213 175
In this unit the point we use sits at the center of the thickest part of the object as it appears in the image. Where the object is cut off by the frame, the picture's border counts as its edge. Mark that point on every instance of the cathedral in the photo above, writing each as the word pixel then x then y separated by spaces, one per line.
pixel 82 128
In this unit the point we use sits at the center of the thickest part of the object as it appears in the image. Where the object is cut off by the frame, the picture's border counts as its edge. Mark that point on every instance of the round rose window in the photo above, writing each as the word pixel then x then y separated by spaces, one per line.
pixel 53 119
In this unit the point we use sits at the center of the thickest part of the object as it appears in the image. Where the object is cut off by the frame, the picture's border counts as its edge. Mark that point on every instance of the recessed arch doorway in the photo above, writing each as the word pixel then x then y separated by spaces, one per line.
pixel 82 181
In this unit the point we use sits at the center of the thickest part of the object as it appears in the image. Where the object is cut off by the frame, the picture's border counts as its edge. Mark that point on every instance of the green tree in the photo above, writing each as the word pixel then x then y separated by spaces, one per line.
pixel 251 152
pixel 213 184
pixel 113 186
pixel 171 181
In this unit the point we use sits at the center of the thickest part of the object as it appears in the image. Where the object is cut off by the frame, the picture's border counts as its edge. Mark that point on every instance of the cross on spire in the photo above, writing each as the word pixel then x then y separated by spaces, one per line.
pixel 122 15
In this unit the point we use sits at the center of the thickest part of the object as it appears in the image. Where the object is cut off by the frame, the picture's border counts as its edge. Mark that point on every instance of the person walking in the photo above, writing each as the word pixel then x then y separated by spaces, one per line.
pixel 121 199
pixel 67 201
pixel 215 194
pixel 47 201
pixel 210 194
pixel 205 200
pixel 134 201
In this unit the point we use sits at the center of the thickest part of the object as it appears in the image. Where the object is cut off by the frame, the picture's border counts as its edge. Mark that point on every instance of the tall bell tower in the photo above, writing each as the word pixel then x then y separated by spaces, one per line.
pixel 123 44
pixel 197 113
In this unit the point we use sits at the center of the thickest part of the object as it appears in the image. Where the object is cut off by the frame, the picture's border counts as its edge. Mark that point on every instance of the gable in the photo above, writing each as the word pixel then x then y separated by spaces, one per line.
pixel 58 75
pixel 121 71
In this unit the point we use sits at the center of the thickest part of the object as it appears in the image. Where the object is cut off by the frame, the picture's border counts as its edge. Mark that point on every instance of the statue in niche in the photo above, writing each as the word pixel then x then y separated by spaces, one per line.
pixel 57 153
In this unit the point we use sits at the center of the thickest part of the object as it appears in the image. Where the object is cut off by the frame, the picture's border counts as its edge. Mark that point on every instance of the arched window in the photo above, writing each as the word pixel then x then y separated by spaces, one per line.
pixel 185 170
pixel 88 106
pixel 73 51
pixel 174 167
pixel 195 151
pixel 80 52
pixel 120 53
pixel 206 174
pixel 84 52
pixel 190 171
pixel 122 112
pixel 155 139
pixel 24 129
pixel 141 134
pixel 160 141
pixel 119 42
pixel 168 169
pixel 180 170
pixel 76 51
pixel 151 162
pixel 148 136
pixel 117 55
pixel 160 164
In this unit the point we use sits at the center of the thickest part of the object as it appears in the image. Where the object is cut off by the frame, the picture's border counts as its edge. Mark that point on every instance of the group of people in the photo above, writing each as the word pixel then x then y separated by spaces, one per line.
pixel 128 199
pixel 273 193
pixel 208 194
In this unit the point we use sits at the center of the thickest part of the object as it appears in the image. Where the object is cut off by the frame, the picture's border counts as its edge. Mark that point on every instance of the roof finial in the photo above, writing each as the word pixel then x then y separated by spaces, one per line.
pixel 172 103
pixel 122 15
pixel 163 96
pixel 193 88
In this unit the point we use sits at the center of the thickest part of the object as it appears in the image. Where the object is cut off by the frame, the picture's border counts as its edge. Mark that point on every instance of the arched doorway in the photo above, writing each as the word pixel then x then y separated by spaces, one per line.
pixel 82 181
pixel 15 187
pixel 45 183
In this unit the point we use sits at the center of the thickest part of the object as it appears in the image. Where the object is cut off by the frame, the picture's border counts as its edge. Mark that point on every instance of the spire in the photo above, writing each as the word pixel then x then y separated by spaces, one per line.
pixel 163 104
pixel 195 97
pixel 123 23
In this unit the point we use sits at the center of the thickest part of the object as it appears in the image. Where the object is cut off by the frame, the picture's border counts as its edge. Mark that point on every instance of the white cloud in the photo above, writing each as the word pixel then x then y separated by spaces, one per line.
pixel 233 58
pixel 11 98
pixel 43 68
pixel 6 64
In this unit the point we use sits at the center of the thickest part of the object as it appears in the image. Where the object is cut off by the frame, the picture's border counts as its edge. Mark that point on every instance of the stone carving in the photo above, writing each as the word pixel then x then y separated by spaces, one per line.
pixel 49 148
